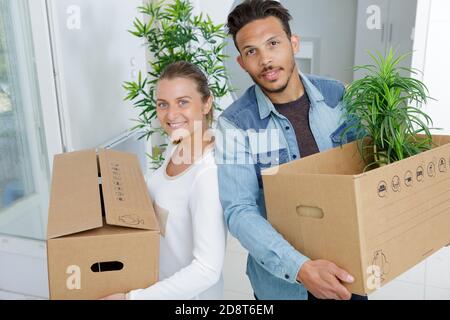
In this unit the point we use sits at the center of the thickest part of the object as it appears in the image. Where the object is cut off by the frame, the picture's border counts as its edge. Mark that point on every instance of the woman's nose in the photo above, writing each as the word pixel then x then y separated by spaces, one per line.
pixel 172 112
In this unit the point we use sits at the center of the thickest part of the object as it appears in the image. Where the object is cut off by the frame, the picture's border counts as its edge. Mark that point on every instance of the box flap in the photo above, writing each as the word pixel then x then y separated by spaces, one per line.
pixel 126 198
pixel 75 197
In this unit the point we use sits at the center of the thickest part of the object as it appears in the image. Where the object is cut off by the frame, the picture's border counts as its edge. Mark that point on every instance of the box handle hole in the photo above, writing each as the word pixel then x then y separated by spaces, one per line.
pixel 107 266
pixel 310 212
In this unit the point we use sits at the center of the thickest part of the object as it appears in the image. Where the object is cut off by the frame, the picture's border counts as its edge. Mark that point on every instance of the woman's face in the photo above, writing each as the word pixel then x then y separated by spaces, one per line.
pixel 179 107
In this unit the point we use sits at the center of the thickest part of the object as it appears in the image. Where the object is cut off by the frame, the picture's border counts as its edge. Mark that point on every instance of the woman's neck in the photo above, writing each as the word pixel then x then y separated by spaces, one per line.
pixel 193 147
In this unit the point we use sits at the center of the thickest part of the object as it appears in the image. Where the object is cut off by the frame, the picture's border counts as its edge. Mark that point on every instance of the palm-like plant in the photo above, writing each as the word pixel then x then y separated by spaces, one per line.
pixel 383 111
pixel 172 33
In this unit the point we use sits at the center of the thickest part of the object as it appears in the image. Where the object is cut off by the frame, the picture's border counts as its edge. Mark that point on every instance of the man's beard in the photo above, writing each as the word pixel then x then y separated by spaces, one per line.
pixel 276 90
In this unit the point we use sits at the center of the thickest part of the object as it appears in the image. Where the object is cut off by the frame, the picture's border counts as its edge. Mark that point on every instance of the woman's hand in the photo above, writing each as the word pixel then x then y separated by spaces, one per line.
pixel 115 296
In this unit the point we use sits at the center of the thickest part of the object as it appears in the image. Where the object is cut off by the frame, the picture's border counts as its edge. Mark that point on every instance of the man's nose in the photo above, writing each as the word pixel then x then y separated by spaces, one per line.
pixel 266 58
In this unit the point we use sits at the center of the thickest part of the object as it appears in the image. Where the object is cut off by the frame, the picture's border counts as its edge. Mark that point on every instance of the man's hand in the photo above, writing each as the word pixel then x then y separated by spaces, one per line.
pixel 323 280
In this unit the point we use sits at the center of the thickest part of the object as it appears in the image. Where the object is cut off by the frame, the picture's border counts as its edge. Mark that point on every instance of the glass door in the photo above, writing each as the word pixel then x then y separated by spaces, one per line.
pixel 24 173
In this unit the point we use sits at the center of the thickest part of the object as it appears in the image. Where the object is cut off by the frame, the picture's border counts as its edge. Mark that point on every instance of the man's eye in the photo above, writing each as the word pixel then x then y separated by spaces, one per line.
pixel 250 52
pixel 274 43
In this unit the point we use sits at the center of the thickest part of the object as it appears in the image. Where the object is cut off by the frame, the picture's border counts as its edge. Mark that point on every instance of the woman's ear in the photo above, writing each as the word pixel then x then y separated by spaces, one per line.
pixel 207 106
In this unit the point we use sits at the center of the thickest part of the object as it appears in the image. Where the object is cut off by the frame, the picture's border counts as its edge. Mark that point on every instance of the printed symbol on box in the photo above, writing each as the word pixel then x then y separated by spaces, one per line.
pixel 117 183
pixel 376 271
pixel 396 184
pixel 382 189
pixel 431 170
pixel 116 176
pixel 419 174
pixel 118 188
pixel 131 219
pixel 442 165
pixel 380 260
pixel 120 196
pixel 408 178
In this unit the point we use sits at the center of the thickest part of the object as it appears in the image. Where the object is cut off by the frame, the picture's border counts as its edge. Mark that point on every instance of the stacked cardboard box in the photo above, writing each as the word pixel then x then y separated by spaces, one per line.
pixel 103 236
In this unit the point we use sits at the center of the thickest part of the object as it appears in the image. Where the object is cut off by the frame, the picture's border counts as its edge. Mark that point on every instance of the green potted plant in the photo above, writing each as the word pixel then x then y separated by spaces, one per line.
pixel 171 33
pixel 383 111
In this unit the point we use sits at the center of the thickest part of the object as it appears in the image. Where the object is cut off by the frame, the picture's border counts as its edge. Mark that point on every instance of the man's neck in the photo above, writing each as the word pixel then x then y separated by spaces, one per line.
pixel 293 91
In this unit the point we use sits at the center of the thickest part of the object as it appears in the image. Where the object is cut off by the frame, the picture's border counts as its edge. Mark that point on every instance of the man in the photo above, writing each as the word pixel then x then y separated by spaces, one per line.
pixel 305 113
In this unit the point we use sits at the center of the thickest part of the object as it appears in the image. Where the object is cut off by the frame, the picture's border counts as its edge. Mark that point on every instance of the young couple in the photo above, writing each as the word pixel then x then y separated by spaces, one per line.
pixel 207 184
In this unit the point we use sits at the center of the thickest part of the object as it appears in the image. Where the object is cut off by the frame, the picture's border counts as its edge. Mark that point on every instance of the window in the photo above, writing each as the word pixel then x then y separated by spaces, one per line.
pixel 23 165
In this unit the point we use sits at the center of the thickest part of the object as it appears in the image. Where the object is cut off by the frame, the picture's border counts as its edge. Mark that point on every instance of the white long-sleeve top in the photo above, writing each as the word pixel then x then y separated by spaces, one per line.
pixel 193 233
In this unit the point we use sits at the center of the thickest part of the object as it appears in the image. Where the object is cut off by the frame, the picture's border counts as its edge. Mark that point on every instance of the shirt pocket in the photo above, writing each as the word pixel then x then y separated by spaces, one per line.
pixel 338 139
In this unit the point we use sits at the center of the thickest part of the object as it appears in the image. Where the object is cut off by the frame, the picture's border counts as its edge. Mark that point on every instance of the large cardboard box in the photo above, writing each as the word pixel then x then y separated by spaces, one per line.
pixel 102 235
pixel 377 224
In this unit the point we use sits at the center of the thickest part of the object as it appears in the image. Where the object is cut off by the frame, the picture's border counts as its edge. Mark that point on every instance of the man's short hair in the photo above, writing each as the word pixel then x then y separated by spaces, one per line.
pixel 251 10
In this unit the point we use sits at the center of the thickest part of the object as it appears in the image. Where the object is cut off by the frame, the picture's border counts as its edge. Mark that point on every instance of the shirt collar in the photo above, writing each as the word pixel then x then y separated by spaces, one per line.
pixel 266 106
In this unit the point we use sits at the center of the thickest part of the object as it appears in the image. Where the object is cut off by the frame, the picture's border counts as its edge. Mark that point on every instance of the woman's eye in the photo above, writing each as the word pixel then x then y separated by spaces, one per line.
pixel 183 102
pixel 162 105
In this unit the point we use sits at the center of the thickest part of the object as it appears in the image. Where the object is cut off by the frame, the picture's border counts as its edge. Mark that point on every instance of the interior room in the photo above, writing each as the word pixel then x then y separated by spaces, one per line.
pixel 63 66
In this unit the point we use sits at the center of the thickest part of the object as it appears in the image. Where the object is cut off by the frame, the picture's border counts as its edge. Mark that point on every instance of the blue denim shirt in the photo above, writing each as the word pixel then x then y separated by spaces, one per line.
pixel 251 135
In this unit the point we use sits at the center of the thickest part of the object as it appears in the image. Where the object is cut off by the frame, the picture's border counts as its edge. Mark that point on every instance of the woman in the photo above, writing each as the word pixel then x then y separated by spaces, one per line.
pixel 185 193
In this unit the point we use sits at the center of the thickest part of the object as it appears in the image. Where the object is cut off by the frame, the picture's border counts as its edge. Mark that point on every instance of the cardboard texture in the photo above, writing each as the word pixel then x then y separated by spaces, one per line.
pixel 102 235
pixel 377 224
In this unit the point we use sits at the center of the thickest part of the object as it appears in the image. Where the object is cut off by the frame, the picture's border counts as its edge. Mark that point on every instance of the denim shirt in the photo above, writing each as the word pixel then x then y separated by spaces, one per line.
pixel 251 136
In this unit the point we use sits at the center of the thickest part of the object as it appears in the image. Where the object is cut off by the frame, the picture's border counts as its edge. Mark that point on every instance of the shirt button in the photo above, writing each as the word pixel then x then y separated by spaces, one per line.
pixel 262 262
pixel 287 128
pixel 294 156
pixel 286 276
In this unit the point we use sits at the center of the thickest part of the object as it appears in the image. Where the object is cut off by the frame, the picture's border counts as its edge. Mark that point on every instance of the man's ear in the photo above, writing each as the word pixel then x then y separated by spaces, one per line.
pixel 295 42
pixel 241 63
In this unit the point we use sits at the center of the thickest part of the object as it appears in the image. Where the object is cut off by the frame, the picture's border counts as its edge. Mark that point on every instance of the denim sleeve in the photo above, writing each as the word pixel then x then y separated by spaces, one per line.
pixel 239 193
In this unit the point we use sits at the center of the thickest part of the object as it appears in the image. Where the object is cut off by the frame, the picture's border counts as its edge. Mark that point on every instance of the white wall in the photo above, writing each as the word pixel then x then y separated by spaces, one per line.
pixel 336 30
pixel 436 66
pixel 92 62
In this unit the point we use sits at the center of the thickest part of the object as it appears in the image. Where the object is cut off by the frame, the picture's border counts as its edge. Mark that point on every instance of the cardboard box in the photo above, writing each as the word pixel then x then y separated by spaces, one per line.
pixel 102 235
pixel 377 224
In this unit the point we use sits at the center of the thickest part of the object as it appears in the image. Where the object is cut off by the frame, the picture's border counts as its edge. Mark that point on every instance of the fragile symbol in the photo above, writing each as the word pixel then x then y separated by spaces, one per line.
pixel 131 219
pixel 382 189
pixel 408 179
pixel 431 170
pixel 396 184
pixel 376 271
pixel 442 165
pixel 419 174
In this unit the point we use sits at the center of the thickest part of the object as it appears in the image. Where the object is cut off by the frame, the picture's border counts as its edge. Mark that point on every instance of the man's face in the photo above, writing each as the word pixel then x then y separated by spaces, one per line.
pixel 267 53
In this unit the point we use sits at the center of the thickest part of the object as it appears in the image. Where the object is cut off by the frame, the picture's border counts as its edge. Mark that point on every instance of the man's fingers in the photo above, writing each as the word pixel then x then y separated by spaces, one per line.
pixel 343 293
pixel 344 276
